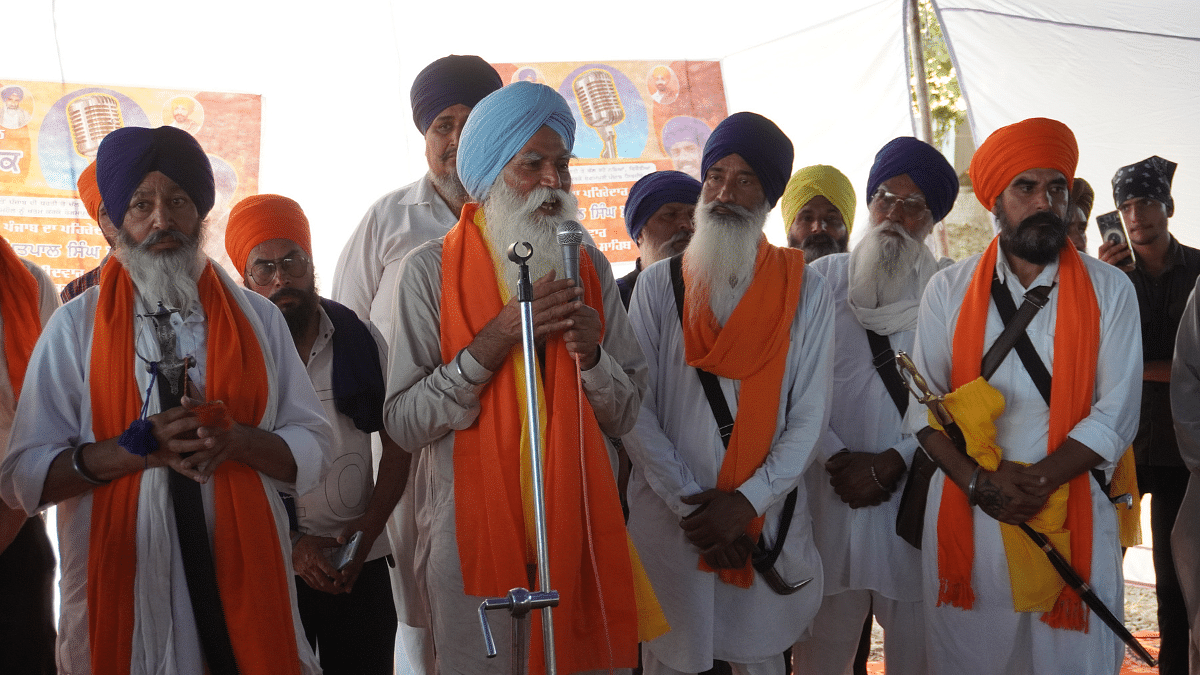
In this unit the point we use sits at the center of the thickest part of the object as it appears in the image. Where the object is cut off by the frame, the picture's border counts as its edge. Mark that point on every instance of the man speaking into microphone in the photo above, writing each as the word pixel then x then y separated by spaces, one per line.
pixel 455 398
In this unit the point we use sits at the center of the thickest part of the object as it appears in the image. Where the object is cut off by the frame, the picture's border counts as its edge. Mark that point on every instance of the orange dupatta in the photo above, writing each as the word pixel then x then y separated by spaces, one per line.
pixel 751 347
pixel 253 579
pixel 1076 345
pixel 20 306
pixel 489 513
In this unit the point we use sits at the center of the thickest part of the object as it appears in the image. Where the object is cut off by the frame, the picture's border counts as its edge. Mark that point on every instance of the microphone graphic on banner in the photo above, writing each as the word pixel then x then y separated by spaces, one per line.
pixel 92 117
pixel 570 236
pixel 600 106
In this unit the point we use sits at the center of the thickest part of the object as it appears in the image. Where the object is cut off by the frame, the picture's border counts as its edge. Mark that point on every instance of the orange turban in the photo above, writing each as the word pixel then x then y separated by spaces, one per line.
pixel 1035 143
pixel 89 191
pixel 262 218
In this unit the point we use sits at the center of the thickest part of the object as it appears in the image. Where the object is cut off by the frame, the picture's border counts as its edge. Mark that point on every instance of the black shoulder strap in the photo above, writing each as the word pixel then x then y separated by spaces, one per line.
pixel 712 387
pixel 884 360
pixel 1015 322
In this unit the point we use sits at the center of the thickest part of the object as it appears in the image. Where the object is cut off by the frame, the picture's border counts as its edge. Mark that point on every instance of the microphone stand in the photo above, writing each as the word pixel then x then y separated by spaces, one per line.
pixel 519 600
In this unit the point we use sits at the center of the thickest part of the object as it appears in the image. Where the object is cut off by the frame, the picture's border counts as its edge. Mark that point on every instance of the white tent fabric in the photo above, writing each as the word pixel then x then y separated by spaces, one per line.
pixel 1122 74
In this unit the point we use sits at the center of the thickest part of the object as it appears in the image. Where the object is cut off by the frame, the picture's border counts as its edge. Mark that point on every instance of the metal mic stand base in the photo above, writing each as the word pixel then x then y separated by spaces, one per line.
pixel 519 602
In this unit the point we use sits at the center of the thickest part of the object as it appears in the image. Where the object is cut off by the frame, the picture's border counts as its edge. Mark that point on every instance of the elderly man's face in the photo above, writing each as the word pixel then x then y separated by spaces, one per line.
pixel 160 205
pixel 730 180
pixel 1145 218
pixel 667 232
pixel 819 225
pixel 543 161
pixel 441 140
pixel 899 199
pixel 13 101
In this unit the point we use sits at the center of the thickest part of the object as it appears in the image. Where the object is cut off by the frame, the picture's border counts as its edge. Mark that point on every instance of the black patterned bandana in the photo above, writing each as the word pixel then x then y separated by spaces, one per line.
pixel 1149 178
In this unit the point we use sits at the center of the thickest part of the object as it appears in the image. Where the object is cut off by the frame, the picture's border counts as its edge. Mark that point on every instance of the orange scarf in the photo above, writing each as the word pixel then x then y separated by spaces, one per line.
pixel 488 496
pixel 20 307
pixel 751 347
pixel 1076 345
pixel 253 578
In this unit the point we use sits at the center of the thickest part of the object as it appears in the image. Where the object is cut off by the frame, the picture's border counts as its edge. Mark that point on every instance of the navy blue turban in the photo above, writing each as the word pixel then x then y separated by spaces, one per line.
pixel 127 155
pixel 1149 178
pixel 924 165
pixel 652 192
pixel 501 124
pixel 450 80
pixel 760 143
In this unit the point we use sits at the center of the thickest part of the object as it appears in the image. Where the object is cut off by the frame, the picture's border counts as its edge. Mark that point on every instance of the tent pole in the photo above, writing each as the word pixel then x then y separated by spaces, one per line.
pixel 917 59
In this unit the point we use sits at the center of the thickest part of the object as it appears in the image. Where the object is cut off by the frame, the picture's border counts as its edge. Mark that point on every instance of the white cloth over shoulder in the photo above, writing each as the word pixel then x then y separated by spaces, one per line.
pixel 676 451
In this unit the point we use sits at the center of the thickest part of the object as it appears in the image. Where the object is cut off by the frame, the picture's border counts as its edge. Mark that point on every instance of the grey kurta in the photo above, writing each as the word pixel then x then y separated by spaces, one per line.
pixel 428 400
pixel 676 451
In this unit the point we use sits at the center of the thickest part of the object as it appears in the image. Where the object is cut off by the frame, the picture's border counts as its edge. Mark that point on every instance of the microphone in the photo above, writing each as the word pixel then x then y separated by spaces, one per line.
pixel 91 117
pixel 570 236
pixel 600 106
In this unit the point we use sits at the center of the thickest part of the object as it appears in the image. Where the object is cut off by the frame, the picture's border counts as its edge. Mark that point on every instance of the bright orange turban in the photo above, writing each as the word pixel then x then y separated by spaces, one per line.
pixel 262 218
pixel 89 191
pixel 1035 143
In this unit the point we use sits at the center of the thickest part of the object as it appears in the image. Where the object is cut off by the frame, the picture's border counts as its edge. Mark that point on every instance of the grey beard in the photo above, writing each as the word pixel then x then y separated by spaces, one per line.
pixel 167 276
pixel 450 188
pixel 883 264
pixel 720 258
pixel 512 218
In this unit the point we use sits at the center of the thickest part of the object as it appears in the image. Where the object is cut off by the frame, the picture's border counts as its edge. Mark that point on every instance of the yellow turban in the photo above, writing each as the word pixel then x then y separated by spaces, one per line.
pixel 818 180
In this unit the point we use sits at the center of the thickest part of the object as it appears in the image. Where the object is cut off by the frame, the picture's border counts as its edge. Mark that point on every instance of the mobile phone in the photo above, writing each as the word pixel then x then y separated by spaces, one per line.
pixel 1112 230
pixel 347 551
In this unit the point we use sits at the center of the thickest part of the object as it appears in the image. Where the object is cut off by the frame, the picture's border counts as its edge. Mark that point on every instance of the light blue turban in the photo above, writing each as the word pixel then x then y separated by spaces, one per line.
pixel 501 124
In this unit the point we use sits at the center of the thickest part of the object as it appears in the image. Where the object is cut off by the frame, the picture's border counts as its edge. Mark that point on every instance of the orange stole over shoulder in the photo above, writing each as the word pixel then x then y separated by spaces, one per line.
pixel 20 305
pixel 489 517
pixel 1076 346
pixel 253 579
pixel 751 347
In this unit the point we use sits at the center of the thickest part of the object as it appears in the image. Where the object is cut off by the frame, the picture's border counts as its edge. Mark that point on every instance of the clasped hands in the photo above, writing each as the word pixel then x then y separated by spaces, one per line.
pixel 557 306
pixel 180 431
pixel 850 474
pixel 718 527
pixel 1013 493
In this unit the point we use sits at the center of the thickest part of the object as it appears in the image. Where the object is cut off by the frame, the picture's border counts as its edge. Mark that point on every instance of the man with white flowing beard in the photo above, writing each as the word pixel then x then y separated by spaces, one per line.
pixel 456 392
pixel 724 518
pixel 163 412
pixel 876 291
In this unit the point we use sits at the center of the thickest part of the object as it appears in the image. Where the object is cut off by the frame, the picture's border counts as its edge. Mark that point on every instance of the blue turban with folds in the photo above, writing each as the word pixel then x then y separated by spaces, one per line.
pixel 924 165
pixel 127 155
pixel 652 192
pixel 501 124
pixel 9 91
pixel 450 80
pixel 760 143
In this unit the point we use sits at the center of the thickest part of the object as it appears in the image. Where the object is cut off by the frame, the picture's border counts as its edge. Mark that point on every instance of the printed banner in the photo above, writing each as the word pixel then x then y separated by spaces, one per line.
pixel 49 133
pixel 633 118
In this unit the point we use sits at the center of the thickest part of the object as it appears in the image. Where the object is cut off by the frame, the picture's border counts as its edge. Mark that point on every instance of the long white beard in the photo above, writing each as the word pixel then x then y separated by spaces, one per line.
pixel 512 218
pixel 166 276
pixel 720 259
pixel 888 272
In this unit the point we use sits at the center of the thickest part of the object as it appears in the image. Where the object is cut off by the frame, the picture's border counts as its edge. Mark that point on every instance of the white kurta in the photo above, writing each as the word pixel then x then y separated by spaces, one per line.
pixel 1185 408
pixel 54 415
pixel 346 491
pixel 992 638
pixel 676 451
pixel 428 400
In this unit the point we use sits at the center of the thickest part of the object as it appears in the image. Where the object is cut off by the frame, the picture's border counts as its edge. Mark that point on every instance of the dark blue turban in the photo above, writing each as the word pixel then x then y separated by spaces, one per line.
pixel 652 192
pixel 127 155
pixel 924 165
pixel 450 80
pixel 760 143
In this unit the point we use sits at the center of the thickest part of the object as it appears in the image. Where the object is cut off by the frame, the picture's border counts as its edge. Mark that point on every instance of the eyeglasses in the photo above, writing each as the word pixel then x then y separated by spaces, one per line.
pixel 911 206
pixel 263 271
